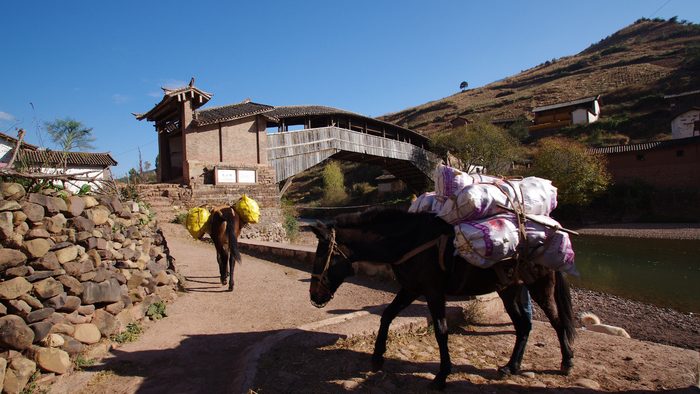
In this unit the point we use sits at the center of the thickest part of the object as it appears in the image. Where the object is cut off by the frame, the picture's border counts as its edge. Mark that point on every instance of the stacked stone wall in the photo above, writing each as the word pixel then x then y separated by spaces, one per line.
pixel 269 226
pixel 73 269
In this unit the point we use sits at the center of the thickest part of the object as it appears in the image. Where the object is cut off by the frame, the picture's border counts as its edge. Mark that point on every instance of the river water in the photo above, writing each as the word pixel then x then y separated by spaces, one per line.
pixel 662 272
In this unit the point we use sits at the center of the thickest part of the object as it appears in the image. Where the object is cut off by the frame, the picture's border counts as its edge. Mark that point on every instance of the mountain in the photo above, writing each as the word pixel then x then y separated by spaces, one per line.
pixel 631 70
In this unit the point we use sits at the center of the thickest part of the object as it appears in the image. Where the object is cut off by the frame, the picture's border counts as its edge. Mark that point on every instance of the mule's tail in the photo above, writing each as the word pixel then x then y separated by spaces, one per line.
pixel 562 296
pixel 234 255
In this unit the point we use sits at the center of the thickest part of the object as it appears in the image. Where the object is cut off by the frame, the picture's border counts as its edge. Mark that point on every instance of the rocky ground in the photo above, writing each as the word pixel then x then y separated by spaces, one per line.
pixel 206 343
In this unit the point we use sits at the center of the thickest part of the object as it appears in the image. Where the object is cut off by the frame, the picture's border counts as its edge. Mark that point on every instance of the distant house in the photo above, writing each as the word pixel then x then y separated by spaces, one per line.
pixel 459 122
pixel 89 165
pixel 686 124
pixel 7 144
pixel 585 110
pixel 386 183
pixel 685 112
pixel 681 102
pixel 666 165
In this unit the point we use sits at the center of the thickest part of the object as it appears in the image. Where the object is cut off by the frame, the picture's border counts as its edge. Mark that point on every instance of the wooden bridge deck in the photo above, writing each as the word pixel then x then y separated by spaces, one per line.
pixel 292 152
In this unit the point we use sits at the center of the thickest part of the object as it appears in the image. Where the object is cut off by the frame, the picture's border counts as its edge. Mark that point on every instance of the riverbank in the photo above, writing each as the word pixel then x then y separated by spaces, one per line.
pixel 642 230
pixel 642 321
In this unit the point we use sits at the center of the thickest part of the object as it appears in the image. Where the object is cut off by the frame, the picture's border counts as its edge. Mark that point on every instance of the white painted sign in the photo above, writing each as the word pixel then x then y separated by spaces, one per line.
pixel 226 176
pixel 246 176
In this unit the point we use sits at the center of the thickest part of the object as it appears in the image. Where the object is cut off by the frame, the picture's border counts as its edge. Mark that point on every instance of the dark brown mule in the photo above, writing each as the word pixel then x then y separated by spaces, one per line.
pixel 225 229
pixel 414 244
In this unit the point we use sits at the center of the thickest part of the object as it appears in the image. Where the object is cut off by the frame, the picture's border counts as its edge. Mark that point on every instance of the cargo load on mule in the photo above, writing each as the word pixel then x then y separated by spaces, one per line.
pixel 500 218
pixel 224 225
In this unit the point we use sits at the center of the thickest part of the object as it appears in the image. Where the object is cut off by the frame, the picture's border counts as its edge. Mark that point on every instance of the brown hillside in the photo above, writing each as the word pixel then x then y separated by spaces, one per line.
pixel 631 70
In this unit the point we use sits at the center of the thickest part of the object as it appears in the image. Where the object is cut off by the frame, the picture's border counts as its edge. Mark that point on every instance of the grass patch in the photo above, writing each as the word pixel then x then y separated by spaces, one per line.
pixel 132 333
pixel 81 362
pixel 156 311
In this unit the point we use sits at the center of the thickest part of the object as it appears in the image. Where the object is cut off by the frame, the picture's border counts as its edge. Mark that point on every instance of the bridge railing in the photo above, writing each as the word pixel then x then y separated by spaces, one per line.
pixel 292 152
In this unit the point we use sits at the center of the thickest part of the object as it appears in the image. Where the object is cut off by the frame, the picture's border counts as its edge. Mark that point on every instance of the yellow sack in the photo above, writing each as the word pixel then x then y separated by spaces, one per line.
pixel 198 222
pixel 247 209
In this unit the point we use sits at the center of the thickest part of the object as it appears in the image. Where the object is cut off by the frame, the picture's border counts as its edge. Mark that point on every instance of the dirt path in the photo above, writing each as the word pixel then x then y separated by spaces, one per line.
pixel 203 345
pixel 211 335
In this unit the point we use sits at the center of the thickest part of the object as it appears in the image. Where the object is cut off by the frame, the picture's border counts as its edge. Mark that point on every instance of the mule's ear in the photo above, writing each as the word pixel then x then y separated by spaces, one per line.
pixel 322 233
pixel 320 224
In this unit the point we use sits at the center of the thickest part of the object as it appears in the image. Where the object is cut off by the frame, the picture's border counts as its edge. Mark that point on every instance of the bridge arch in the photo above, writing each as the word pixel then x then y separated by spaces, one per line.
pixel 292 152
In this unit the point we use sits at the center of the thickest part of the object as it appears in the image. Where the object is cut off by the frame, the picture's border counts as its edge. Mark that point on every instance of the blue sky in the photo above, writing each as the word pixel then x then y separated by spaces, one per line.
pixel 100 61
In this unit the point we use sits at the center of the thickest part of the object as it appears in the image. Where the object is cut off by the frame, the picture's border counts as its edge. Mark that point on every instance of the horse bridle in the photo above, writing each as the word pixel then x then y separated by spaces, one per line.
pixel 323 281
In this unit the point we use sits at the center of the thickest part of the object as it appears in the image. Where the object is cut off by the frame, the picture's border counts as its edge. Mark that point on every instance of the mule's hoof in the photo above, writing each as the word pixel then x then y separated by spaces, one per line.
pixel 437 385
pixel 377 365
pixel 566 368
pixel 230 287
pixel 224 282
pixel 504 372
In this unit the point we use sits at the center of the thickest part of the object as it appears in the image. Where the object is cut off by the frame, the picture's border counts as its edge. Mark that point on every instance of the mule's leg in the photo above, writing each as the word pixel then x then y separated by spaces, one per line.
pixel 522 324
pixel 222 259
pixel 233 250
pixel 552 294
pixel 403 299
pixel 436 304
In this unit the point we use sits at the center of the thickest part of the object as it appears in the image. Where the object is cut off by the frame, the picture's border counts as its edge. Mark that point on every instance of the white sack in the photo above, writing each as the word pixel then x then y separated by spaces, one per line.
pixel 448 181
pixel 480 200
pixel 559 255
pixel 487 241
pixel 539 196
pixel 424 203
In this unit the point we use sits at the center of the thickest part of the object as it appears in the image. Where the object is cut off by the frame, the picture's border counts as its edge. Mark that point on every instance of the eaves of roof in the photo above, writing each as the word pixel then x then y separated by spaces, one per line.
pixel 686 110
pixel 566 104
pixel 176 94
pixel 646 146
pixel 14 141
pixel 230 112
pixel 52 158
pixel 682 94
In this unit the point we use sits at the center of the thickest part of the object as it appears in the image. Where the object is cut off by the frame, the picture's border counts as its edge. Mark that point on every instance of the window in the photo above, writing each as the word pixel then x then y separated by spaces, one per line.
pixel 640 157
pixel 680 153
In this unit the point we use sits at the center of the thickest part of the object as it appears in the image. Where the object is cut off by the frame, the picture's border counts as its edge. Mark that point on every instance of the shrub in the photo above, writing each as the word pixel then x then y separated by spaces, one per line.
pixel 334 189
pixel 290 224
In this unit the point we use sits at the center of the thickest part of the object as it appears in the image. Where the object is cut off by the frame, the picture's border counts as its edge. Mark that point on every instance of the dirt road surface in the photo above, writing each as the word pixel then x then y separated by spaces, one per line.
pixel 204 344
pixel 219 342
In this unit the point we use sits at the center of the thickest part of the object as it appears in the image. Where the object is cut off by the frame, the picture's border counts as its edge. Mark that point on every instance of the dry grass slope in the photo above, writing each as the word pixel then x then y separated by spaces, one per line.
pixel 648 58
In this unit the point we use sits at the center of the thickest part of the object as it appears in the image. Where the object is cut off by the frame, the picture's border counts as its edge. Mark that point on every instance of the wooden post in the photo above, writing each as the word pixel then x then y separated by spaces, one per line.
pixel 20 137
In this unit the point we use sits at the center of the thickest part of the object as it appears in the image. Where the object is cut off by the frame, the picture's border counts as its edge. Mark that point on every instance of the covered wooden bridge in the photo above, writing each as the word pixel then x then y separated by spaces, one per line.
pixel 332 133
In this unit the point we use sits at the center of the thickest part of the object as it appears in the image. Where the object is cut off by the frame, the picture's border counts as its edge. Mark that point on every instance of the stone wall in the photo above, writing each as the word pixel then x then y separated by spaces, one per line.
pixel 73 269
pixel 184 198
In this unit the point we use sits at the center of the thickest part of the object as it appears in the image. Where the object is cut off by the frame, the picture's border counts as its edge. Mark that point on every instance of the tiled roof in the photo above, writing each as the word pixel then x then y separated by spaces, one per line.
pixel 230 112
pixel 174 95
pixel 646 145
pixel 14 140
pixel 566 104
pixel 41 157
pixel 682 94
pixel 291 111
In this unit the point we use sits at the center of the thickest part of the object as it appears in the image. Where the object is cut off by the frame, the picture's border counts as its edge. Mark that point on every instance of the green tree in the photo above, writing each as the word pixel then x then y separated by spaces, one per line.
pixel 482 144
pixel 578 175
pixel 464 85
pixel 334 185
pixel 70 134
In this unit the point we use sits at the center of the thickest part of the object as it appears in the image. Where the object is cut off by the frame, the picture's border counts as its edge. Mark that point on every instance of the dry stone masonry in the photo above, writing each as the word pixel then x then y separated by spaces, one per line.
pixel 73 269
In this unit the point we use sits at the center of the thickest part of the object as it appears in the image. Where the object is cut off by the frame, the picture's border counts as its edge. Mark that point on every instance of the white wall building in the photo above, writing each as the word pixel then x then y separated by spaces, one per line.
pixel 686 124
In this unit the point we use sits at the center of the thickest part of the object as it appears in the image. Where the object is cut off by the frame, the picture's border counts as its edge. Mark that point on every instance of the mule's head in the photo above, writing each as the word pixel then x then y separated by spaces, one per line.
pixel 331 266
